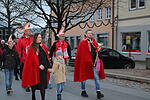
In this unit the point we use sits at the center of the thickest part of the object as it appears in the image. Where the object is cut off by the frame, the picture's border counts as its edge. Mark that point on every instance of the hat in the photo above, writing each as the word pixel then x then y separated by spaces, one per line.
pixel 61 33
pixel 59 53
pixel 27 26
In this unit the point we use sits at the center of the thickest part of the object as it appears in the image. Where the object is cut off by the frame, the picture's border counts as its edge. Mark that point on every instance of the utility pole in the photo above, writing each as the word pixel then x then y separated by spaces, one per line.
pixel 113 22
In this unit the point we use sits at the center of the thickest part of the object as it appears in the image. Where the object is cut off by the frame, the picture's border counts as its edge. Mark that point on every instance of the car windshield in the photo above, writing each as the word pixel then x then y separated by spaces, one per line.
pixel 113 53
pixel 109 52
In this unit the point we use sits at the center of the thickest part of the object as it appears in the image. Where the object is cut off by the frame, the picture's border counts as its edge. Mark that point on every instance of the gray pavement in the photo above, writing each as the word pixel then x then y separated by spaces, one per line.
pixel 72 91
pixel 128 77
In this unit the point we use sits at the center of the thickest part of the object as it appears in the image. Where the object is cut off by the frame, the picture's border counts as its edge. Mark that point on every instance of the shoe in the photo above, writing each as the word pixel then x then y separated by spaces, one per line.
pixel 10 90
pixel 28 89
pixel 16 78
pixel 84 94
pixel 99 95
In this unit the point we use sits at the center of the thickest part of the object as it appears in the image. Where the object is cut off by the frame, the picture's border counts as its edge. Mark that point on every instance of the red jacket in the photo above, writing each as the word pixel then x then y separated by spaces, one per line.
pixel 1 51
pixel 22 47
pixel 31 70
pixel 83 63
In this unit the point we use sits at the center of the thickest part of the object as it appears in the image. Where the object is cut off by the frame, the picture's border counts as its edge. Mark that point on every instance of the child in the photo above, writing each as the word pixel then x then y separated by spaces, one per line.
pixel 59 70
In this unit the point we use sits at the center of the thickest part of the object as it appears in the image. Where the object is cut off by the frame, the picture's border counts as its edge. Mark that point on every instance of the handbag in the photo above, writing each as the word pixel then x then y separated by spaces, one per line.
pixel 98 64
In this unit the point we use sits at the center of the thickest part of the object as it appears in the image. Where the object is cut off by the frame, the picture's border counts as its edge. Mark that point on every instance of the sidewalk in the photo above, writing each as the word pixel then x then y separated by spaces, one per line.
pixel 139 75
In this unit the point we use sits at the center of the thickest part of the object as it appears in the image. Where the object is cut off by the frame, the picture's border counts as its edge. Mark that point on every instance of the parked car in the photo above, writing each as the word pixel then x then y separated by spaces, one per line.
pixel 112 59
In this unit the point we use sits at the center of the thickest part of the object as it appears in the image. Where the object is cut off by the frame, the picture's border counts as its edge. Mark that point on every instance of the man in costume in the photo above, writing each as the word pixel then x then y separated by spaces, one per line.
pixel 85 64
pixel 22 47
pixel 61 45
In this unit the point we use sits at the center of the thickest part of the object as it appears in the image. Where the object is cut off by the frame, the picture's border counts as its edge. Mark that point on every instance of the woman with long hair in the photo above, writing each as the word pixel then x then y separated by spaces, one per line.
pixel 35 71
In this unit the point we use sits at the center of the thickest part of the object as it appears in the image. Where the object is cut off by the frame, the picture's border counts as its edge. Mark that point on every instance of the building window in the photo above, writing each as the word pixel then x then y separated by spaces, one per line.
pixel 103 38
pixel 149 42
pixel 92 18
pixel 131 42
pixel 99 14
pixel 72 42
pixel 141 3
pixel 78 19
pixel 72 19
pixel 85 16
pixel 135 4
pixel 108 12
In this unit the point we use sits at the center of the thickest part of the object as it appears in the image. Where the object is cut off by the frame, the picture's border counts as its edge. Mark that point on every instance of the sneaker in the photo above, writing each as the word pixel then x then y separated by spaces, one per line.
pixel 99 95
pixel 84 94
pixel 10 90
pixel 28 89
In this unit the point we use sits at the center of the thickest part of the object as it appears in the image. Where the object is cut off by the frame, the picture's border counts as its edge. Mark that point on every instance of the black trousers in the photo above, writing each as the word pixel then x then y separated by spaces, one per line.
pixel 21 69
pixel 42 91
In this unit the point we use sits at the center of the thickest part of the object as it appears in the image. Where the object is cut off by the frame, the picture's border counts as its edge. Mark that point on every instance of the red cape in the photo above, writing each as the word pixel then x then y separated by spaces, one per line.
pixel 31 71
pixel 83 63
pixel 22 45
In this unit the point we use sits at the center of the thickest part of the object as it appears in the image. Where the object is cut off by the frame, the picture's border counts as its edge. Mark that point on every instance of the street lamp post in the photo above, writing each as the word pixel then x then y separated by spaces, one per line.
pixel 113 22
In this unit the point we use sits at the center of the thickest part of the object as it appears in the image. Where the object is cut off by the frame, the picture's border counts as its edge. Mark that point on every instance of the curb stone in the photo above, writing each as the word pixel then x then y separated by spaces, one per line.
pixel 127 77
pixel 121 76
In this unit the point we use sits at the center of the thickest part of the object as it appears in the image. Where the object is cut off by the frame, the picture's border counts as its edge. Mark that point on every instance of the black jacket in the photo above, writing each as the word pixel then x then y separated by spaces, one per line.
pixel 10 58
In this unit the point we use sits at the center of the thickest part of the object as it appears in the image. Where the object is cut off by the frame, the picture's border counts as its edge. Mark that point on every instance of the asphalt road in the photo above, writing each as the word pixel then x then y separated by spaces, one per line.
pixel 72 91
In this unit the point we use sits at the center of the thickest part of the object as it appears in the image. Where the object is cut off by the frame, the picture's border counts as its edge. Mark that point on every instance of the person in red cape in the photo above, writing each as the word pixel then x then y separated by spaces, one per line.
pixel 35 71
pixel 22 45
pixel 61 45
pixel 85 64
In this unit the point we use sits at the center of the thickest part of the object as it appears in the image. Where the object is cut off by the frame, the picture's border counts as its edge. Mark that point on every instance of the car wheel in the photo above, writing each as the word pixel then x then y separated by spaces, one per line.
pixel 127 66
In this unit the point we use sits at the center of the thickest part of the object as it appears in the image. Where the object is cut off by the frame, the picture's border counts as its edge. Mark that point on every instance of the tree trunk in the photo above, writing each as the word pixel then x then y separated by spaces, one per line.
pixel 9 20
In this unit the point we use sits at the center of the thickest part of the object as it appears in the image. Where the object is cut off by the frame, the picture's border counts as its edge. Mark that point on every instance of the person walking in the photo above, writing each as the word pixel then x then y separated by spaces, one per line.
pixel 10 61
pixel 85 64
pixel 22 47
pixel 59 70
pixel 61 45
pixel 35 68
pixel 2 47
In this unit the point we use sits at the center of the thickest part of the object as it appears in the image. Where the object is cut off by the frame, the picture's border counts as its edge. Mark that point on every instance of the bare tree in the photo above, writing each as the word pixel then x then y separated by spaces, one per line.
pixel 66 13
pixel 12 10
